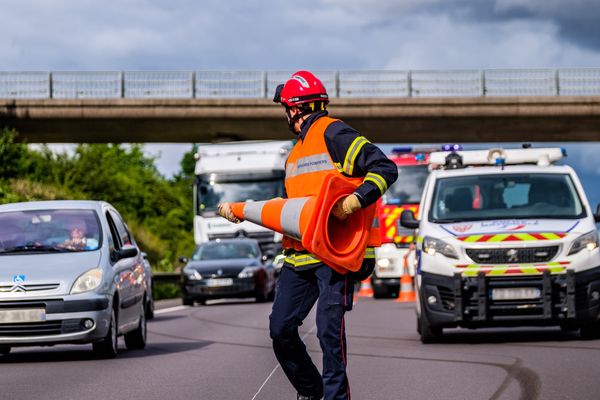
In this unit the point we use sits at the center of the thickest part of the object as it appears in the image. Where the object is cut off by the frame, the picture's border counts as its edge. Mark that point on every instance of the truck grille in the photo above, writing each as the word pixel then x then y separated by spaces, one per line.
pixel 259 236
pixel 513 255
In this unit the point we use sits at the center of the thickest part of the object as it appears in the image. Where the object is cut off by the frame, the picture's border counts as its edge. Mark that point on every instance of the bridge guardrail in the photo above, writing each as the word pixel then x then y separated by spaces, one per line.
pixel 261 84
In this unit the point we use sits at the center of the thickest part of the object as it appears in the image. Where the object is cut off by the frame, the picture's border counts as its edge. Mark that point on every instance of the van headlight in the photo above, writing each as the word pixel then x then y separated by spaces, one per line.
pixel 588 241
pixel 87 281
pixel 248 272
pixel 432 246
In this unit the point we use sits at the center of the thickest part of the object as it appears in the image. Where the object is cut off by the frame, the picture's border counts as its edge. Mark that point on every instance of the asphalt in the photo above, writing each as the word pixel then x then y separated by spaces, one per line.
pixel 223 351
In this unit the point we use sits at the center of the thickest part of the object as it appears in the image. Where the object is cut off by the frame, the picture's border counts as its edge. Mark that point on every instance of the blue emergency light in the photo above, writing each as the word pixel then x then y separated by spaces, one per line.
pixel 452 147
pixel 419 157
pixel 406 149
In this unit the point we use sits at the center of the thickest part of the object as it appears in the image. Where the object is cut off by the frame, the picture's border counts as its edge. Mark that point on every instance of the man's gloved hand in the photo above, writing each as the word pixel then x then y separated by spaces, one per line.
pixel 224 210
pixel 345 207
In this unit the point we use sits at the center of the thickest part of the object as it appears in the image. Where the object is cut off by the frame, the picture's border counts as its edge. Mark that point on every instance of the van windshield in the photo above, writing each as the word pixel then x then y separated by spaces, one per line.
pixel 500 196
pixel 49 231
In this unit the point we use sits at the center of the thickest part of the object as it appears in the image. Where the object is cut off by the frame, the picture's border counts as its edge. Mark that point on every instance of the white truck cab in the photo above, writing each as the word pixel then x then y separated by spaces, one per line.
pixel 505 238
pixel 237 172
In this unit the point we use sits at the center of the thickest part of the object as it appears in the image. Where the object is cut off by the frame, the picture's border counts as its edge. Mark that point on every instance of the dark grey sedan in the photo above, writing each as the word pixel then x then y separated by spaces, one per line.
pixel 233 268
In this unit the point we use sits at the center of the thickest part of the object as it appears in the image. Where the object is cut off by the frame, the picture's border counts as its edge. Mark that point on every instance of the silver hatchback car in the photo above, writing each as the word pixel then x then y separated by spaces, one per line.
pixel 70 272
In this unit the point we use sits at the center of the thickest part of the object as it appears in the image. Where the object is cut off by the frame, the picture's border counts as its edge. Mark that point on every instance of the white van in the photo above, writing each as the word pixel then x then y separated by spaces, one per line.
pixel 505 238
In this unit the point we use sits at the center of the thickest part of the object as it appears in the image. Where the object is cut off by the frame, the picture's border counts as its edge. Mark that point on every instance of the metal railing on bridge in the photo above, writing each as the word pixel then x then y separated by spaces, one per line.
pixel 261 84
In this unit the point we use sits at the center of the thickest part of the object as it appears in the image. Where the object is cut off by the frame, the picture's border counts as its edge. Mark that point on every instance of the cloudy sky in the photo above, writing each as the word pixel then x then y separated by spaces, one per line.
pixel 315 34
pixel 321 34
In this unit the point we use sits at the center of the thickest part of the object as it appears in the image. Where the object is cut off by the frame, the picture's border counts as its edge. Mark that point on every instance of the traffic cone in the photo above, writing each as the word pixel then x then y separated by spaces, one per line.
pixel 340 244
pixel 366 289
pixel 407 290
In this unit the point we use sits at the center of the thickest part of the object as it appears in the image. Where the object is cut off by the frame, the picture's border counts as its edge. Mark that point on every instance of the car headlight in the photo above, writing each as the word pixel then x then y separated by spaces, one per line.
pixel 588 241
pixel 87 281
pixel 192 274
pixel 384 262
pixel 248 272
pixel 432 246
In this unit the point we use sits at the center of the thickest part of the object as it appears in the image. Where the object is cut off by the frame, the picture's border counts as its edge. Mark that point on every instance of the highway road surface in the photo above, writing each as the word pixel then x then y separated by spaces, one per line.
pixel 223 351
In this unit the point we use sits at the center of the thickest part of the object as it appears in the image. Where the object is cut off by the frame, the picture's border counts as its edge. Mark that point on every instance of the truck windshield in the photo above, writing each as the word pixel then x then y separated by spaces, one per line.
pixel 408 187
pixel 214 190
pixel 537 195
pixel 49 231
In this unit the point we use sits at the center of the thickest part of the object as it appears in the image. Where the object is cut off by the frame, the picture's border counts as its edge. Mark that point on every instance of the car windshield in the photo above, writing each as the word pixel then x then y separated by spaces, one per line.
pixel 500 196
pixel 224 251
pixel 211 192
pixel 408 187
pixel 49 231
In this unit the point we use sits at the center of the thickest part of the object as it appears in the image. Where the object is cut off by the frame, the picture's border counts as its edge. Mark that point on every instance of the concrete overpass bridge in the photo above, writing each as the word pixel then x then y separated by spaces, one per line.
pixel 387 106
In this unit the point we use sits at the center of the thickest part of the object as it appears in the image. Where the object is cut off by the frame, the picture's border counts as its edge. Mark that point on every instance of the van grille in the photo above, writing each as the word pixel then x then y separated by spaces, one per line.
pixel 45 328
pixel 29 287
pixel 512 255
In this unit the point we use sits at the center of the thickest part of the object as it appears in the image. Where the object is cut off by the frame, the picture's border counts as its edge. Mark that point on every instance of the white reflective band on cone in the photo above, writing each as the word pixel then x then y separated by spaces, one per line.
pixel 290 217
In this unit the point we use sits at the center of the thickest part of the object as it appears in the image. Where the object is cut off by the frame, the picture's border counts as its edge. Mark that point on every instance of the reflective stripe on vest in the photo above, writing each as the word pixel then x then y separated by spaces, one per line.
pixel 307 166
pixel 303 259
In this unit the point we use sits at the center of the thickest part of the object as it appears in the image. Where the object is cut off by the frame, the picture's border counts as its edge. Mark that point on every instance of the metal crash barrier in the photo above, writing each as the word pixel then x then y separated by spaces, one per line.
pixel 261 84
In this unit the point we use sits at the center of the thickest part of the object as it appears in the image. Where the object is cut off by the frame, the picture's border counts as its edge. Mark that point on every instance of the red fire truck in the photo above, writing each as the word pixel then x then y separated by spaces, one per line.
pixel 396 251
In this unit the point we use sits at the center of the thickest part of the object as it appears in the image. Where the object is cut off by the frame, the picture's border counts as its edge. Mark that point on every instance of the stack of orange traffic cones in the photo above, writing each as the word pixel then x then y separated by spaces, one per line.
pixel 407 290
pixel 366 289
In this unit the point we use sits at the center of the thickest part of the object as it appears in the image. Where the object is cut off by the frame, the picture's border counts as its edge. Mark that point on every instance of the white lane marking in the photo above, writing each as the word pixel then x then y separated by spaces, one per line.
pixel 170 309
pixel 277 366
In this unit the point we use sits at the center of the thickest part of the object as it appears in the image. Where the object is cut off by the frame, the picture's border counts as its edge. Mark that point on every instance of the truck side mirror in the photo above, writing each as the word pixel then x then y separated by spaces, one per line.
pixel 408 220
pixel 183 259
pixel 597 215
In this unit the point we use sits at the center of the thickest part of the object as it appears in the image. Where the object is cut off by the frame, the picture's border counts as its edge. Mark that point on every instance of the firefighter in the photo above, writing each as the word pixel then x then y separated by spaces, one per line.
pixel 325 145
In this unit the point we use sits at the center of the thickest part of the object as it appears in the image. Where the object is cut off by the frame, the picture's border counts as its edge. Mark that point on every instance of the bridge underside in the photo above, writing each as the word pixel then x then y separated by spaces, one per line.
pixel 392 120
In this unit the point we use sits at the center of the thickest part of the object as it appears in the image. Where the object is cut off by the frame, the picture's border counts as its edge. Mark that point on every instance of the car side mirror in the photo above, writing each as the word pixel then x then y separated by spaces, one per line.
pixel 127 251
pixel 183 259
pixel 597 215
pixel 408 220
pixel 268 256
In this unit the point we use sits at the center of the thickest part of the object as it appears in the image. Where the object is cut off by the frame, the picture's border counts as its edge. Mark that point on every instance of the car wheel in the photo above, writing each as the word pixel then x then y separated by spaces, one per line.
pixel 4 350
pixel 150 309
pixel 201 301
pixel 187 301
pixel 429 334
pixel 262 294
pixel 590 331
pixel 108 347
pixel 136 339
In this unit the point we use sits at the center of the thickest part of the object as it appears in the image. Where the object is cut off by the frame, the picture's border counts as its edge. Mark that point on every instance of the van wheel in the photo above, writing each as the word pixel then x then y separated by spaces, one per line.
pixel 187 301
pixel 108 347
pixel 4 350
pixel 590 331
pixel 136 339
pixel 429 334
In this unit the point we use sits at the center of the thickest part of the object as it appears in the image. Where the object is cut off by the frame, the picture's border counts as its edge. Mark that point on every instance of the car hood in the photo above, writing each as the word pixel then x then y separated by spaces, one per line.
pixel 228 267
pixel 513 226
pixel 61 268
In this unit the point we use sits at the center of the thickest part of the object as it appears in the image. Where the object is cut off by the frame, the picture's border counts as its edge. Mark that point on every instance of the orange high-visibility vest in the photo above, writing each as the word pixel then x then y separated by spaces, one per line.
pixel 306 167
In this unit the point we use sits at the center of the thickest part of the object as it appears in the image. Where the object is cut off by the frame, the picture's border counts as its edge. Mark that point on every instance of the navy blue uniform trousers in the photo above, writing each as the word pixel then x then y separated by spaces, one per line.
pixel 297 292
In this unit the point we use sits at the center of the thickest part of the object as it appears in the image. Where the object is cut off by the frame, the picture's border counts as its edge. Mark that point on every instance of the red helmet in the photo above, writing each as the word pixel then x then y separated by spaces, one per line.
pixel 302 87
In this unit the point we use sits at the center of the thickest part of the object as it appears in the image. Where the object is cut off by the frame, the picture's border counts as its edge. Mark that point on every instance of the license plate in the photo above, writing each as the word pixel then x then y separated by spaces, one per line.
pixel 516 294
pixel 220 282
pixel 22 315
